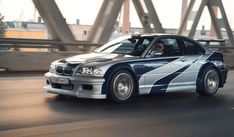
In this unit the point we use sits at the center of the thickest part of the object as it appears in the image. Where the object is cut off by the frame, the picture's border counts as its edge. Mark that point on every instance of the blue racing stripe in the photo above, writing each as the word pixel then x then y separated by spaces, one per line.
pixel 162 84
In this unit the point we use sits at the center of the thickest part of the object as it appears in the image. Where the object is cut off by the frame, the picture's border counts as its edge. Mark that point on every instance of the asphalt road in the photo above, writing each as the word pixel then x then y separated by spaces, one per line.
pixel 25 111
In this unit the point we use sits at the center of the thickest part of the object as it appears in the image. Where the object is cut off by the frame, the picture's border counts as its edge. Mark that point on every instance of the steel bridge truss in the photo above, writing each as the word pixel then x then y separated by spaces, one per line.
pixel 106 18
pixel 218 23
pixel 108 14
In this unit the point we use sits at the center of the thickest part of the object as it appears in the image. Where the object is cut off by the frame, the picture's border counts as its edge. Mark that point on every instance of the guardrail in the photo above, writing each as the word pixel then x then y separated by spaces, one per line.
pixel 41 43
pixel 40 61
pixel 7 43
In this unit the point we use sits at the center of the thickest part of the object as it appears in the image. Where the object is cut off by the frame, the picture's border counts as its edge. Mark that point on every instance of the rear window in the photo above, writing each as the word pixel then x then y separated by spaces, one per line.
pixel 192 48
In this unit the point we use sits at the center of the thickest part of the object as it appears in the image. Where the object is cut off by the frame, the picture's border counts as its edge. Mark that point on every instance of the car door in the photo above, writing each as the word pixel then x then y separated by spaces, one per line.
pixel 161 70
pixel 193 54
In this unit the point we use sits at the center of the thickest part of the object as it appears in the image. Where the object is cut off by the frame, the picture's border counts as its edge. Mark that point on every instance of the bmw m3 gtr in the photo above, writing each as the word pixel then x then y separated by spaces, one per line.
pixel 135 65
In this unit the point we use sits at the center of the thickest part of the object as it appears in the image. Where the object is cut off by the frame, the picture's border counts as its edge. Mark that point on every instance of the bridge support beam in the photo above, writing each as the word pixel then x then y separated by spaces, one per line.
pixel 126 22
pixel 144 17
pixel 153 16
pixel 104 23
pixel 55 22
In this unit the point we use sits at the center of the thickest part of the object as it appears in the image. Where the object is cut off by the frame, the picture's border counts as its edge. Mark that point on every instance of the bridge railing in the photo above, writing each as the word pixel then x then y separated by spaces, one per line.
pixel 52 45
pixel 16 43
pixel 16 60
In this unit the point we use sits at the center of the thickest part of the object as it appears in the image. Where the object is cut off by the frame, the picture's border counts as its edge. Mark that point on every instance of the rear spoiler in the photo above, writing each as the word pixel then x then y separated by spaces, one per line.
pixel 214 44
pixel 207 42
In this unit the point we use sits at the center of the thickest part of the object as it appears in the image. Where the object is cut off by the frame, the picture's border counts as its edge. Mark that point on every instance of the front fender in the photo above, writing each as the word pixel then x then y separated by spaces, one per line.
pixel 112 70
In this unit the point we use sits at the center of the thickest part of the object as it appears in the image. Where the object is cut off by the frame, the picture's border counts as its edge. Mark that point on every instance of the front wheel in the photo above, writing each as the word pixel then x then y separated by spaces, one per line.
pixel 210 82
pixel 121 86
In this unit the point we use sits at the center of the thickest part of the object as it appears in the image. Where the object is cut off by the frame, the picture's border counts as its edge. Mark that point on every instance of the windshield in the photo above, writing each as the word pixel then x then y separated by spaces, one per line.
pixel 126 45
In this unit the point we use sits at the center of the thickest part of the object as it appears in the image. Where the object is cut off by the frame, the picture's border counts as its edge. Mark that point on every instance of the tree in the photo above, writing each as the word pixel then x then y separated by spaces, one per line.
pixel 2 26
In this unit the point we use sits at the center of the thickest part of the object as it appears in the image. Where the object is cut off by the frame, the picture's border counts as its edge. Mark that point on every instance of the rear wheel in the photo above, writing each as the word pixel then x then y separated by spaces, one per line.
pixel 210 82
pixel 121 86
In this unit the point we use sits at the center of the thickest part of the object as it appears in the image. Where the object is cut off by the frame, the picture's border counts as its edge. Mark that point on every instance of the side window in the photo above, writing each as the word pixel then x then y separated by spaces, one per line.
pixel 146 42
pixel 193 48
pixel 165 47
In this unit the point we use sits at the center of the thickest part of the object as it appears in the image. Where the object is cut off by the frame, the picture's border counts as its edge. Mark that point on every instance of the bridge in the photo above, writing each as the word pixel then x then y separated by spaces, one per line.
pixel 63 42
pixel 27 111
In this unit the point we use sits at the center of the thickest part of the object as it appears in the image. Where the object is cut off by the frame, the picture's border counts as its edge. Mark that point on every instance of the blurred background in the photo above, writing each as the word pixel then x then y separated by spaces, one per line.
pixel 47 27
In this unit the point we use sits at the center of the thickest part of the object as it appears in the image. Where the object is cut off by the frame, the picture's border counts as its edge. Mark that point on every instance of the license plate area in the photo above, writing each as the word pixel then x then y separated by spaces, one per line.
pixel 59 80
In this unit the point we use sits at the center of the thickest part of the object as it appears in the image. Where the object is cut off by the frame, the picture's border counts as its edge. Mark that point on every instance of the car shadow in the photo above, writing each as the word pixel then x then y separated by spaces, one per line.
pixel 185 101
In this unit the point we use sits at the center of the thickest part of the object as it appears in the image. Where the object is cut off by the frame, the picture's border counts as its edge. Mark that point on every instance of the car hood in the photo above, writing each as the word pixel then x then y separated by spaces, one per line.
pixel 96 59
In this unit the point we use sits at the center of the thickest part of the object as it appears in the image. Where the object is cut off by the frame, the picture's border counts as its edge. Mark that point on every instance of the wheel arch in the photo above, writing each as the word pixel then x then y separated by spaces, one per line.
pixel 201 71
pixel 115 68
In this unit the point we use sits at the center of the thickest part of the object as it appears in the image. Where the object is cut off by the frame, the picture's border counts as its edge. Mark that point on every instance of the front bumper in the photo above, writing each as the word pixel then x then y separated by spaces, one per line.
pixel 79 86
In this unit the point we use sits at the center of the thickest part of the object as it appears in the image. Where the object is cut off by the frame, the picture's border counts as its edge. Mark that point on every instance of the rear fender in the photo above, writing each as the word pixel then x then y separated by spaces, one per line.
pixel 200 74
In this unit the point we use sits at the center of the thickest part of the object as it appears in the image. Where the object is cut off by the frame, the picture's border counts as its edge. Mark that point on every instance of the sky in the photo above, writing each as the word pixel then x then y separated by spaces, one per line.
pixel 169 11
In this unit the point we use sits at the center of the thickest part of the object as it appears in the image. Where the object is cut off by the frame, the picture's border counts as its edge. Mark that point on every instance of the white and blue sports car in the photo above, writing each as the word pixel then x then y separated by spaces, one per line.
pixel 137 65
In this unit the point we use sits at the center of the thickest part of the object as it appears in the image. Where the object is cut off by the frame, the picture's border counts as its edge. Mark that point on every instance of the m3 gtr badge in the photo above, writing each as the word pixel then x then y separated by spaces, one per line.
pixel 87 71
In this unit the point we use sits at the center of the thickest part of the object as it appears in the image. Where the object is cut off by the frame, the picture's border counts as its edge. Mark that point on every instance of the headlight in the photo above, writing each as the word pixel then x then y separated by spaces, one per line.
pixel 98 72
pixel 89 72
pixel 52 68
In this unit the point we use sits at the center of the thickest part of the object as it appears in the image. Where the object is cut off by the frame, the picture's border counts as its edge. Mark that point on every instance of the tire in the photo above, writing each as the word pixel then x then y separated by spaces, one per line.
pixel 210 82
pixel 121 87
